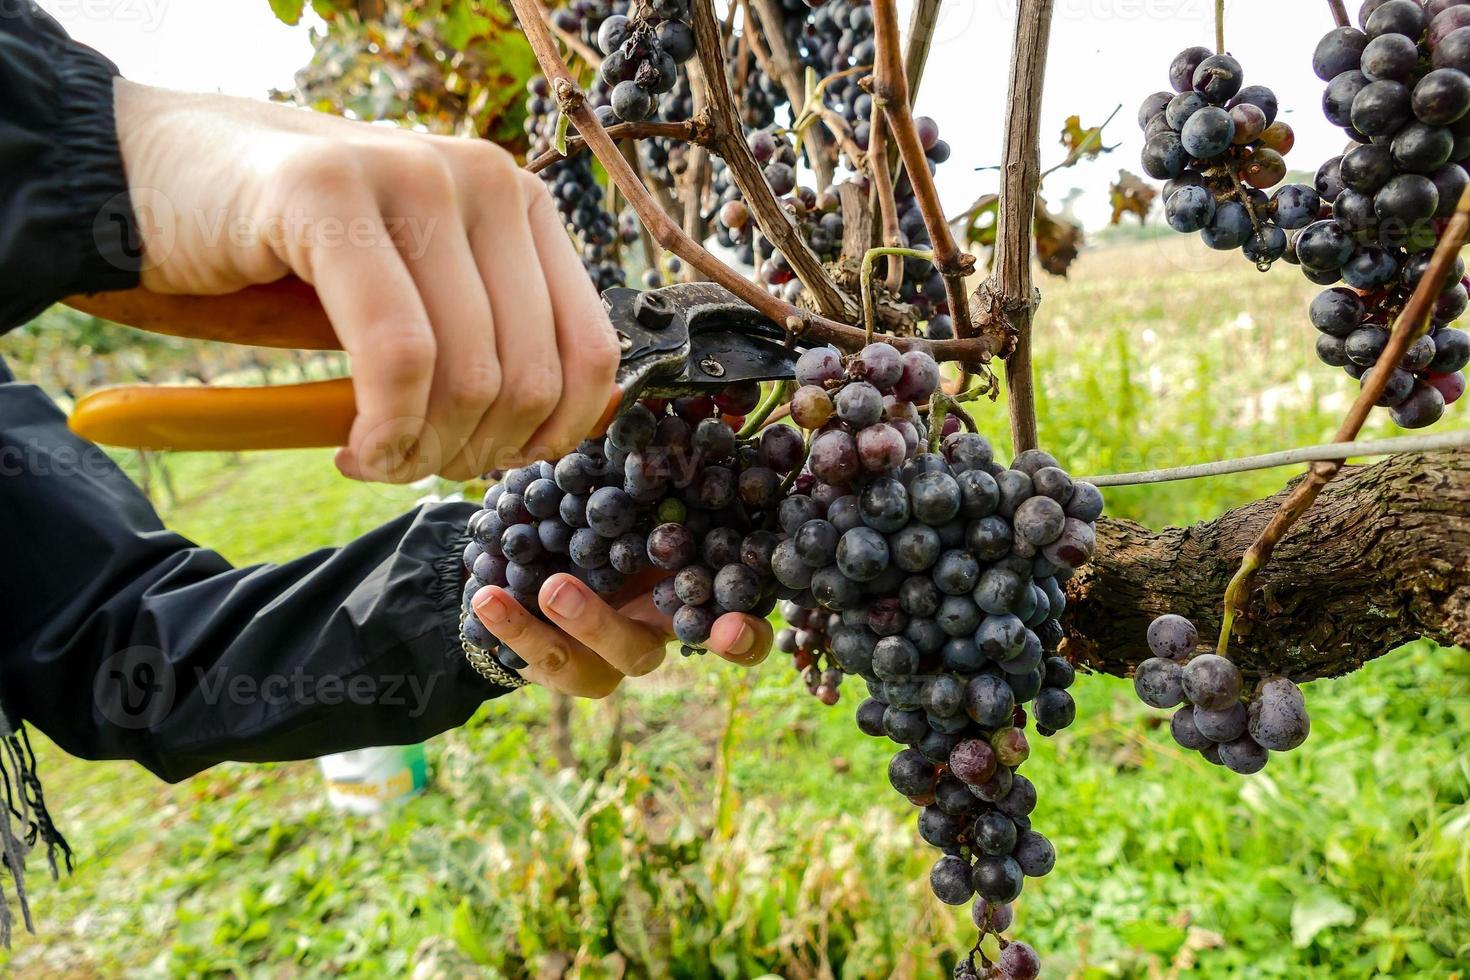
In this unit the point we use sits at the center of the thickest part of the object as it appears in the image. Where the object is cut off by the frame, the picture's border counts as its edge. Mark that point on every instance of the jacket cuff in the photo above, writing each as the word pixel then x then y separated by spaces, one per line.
pixel 448 597
pixel 98 221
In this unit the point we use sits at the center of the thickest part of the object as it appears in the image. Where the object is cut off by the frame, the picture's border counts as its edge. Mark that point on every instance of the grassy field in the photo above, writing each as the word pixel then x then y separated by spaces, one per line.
pixel 744 830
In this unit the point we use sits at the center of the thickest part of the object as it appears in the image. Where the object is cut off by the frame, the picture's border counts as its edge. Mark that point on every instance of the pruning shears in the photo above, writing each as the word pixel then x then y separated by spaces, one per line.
pixel 680 339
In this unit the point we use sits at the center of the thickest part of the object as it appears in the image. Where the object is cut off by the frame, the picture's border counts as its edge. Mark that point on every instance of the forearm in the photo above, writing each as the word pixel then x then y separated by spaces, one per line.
pixel 126 641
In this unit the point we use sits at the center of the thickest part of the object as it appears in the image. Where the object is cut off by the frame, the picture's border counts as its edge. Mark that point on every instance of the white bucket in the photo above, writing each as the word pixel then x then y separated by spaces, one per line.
pixel 366 781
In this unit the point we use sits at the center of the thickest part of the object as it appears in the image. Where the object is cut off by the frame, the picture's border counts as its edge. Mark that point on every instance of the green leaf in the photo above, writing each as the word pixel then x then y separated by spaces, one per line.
pixel 462 24
pixel 466 936
pixel 288 11
pixel 1311 915
pixel 1159 938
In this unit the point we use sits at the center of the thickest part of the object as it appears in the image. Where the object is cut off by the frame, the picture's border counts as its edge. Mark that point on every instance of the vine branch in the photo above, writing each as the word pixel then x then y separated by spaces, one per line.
pixel 804 324
pixel 1010 289
pixel 793 80
pixel 728 140
pixel 690 130
pixel 1378 562
pixel 1339 13
pixel 921 38
pixel 892 92
pixel 1412 323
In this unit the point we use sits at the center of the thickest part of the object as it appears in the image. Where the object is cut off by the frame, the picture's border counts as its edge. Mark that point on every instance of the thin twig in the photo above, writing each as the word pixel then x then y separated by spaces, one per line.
pixel 728 139
pixel 870 316
pixel 650 247
pixel 1412 323
pixel 810 327
pixel 793 80
pixel 921 38
pixel 1092 138
pixel 778 394
pixel 1304 454
pixel 887 209
pixel 1219 26
pixel 892 91
pixel 690 130
pixel 580 47
pixel 1011 279
pixel 1339 13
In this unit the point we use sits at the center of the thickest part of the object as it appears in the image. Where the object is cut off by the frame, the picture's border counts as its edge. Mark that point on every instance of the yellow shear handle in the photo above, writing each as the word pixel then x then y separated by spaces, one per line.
pixel 184 418
pixel 285 313
pixel 194 417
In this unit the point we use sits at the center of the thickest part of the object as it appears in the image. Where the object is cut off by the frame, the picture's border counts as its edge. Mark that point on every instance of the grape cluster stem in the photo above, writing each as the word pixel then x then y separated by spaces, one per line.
pixel 1411 324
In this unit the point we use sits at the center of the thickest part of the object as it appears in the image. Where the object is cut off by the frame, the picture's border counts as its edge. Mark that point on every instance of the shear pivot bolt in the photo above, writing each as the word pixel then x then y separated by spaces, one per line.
pixel 653 310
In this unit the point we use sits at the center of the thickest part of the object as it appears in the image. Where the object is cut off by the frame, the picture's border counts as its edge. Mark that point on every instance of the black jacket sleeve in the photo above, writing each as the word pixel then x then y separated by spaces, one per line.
pixel 122 640
pixel 66 223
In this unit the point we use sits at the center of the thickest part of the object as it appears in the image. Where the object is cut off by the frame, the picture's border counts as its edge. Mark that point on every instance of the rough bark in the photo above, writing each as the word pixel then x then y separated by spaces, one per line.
pixel 1382 558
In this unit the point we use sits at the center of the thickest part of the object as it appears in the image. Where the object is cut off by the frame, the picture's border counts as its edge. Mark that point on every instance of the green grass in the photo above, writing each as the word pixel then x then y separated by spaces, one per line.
pixel 748 831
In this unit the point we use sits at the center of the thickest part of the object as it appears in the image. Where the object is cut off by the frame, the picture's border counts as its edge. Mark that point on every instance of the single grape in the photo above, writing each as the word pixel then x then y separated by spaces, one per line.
pixel 1212 682
pixel 1222 725
pixel 949 879
pixel 997 879
pixel 1278 717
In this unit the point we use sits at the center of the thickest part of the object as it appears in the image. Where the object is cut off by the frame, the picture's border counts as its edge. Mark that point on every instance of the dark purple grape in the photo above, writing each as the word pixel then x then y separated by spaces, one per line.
pixel 671 547
pixel 949 879
pixel 1223 724
pixel 994 833
pixel 1159 683
pixel 989 701
pixel 1172 637
pixel 819 366
pixel 692 624
pixel 997 879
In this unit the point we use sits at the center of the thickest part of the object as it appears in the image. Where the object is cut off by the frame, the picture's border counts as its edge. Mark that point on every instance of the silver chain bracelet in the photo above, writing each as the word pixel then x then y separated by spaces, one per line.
pixel 485 663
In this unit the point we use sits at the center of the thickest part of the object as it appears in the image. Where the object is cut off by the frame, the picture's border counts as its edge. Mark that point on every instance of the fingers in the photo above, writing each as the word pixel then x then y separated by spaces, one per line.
pixel 631 646
pixel 376 312
pixel 525 331
pixel 467 377
pixel 584 336
pixel 556 661
pixel 743 640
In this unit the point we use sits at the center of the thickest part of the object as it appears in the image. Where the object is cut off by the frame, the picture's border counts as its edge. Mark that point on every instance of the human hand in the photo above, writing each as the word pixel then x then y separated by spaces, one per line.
pixel 477 340
pixel 589 646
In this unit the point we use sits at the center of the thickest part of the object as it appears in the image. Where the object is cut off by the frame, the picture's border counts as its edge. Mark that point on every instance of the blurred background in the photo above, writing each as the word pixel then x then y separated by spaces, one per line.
pixel 712 823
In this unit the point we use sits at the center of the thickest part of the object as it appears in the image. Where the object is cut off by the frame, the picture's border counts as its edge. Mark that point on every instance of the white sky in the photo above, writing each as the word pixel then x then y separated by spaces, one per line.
pixel 1103 53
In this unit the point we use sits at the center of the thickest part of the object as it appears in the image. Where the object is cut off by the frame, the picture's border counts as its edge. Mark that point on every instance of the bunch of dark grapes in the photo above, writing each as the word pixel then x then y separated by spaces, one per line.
pixel 642 54
pixel 807 638
pixel 1400 88
pixel 576 191
pixel 817 217
pixel 944 571
pixel 1218 144
pixel 934 576
pixel 1218 718
pixel 667 488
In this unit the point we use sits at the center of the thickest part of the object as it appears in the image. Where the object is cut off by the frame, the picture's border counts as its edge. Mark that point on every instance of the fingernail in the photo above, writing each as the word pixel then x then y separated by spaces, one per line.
pixel 566 600
pixel 490 607
pixel 743 643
